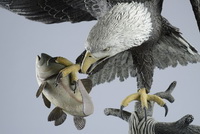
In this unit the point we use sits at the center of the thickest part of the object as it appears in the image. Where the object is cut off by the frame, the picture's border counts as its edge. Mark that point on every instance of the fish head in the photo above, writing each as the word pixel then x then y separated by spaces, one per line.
pixel 42 60
pixel 45 67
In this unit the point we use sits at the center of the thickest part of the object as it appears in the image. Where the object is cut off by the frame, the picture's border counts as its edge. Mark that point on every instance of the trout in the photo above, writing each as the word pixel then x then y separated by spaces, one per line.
pixel 76 102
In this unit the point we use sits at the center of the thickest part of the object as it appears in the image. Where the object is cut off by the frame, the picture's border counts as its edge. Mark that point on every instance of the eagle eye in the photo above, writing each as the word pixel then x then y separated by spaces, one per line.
pixel 106 49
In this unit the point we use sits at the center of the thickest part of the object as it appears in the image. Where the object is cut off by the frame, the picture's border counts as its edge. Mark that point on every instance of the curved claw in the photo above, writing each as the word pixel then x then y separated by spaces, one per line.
pixel 75 86
pixel 145 113
pixel 166 109
pixel 121 111
pixel 58 77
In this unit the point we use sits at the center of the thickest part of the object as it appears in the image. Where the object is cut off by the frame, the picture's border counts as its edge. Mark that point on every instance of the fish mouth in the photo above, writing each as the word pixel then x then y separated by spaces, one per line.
pixel 42 59
pixel 38 57
pixel 98 65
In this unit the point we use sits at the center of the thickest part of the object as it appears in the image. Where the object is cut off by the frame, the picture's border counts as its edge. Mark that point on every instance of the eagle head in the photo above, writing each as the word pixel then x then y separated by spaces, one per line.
pixel 125 26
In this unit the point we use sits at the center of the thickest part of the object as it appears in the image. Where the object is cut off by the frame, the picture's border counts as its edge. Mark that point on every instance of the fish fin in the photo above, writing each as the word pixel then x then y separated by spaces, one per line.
pixel 79 122
pixel 47 103
pixel 87 83
pixel 60 120
pixel 41 88
pixel 55 114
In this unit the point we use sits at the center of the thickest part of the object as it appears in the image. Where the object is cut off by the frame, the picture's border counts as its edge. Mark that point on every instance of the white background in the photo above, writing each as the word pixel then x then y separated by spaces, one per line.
pixel 21 40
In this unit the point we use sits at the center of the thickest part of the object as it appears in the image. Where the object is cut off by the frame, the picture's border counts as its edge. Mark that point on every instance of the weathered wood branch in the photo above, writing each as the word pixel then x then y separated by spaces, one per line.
pixel 138 125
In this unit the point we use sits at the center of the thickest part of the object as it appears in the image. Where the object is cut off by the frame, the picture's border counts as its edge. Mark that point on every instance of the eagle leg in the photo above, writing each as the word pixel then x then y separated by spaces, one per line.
pixel 70 68
pixel 143 97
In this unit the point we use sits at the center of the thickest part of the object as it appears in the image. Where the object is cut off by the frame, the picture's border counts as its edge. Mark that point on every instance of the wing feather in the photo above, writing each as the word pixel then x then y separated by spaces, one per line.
pixel 47 11
pixel 172 49
pixel 196 9
pixel 97 8
pixel 57 11
pixel 119 66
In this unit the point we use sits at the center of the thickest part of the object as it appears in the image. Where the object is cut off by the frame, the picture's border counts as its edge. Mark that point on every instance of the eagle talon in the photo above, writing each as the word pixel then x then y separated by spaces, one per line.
pixel 143 97
pixel 121 111
pixel 166 109
pixel 145 113
pixel 58 78
pixel 74 85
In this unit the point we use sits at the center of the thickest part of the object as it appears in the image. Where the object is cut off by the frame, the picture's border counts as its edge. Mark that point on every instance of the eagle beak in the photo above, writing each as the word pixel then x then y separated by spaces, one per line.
pixel 87 62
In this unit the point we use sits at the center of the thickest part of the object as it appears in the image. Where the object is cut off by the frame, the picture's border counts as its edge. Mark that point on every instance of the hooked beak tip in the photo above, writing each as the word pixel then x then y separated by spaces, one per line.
pixel 87 62
pixel 166 109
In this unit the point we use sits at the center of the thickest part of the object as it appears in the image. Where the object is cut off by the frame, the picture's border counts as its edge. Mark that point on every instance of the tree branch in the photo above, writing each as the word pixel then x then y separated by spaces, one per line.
pixel 138 125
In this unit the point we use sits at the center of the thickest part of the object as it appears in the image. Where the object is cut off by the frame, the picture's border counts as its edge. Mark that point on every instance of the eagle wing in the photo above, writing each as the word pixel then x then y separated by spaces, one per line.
pixel 196 9
pixel 57 11
pixel 50 11
pixel 172 49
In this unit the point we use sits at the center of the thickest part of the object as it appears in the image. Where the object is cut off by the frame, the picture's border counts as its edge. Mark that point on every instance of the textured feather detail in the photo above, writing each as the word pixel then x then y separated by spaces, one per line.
pixel 143 61
pixel 47 11
pixel 57 11
pixel 127 24
pixel 97 8
pixel 119 66
pixel 172 49
pixel 134 62
pixel 196 9
pixel 173 54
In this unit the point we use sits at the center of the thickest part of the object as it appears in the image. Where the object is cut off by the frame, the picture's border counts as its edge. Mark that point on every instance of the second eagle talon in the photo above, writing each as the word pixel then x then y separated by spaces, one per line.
pixel 121 111
pixel 166 109
pixel 143 97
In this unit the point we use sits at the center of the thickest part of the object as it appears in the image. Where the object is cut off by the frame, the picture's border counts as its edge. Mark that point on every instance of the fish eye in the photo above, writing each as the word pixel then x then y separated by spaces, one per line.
pixel 106 49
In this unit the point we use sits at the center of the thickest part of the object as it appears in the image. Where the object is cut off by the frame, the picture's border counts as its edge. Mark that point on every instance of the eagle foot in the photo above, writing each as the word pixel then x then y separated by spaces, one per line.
pixel 70 69
pixel 143 97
